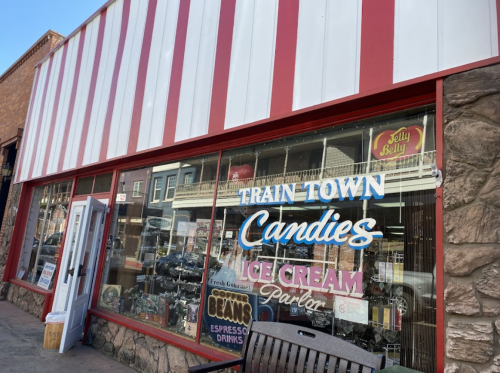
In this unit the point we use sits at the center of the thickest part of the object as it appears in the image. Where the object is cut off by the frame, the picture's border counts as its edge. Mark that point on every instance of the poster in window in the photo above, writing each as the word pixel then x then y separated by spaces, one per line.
pixel 108 294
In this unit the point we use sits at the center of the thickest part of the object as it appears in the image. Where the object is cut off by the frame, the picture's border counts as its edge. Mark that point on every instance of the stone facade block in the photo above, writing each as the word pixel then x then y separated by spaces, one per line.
pixel 472 142
pixel 461 299
pixel 464 260
pixel 458 227
pixel 469 341
pixel 489 282
pixel 26 299
pixel 463 183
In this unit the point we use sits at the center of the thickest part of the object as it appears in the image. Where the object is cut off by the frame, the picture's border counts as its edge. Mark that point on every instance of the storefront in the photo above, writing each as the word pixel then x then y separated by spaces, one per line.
pixel 168 205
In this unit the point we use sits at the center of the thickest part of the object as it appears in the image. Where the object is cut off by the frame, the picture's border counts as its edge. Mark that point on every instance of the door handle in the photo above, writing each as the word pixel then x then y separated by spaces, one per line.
pixel 80 274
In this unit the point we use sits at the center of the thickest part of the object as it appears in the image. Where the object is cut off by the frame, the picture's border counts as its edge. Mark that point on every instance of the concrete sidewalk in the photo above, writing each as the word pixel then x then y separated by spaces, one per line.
pixel 21 348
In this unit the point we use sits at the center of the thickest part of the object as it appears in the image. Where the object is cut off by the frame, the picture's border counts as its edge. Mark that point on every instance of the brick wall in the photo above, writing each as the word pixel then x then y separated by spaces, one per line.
pixel 15 91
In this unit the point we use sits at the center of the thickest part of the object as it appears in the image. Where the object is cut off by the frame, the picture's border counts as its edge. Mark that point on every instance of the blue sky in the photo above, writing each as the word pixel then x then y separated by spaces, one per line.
pixel 23 22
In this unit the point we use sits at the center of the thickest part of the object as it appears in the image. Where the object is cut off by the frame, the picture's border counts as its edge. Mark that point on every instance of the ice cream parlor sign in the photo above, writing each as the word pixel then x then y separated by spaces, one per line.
pixel 328 230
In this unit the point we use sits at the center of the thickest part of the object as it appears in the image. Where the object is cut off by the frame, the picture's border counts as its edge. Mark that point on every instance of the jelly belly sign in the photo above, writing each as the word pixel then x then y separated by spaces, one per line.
pixel 397 143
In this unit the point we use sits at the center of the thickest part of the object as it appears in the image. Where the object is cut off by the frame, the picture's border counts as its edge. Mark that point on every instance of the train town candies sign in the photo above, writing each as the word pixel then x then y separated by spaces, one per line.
pixel 328 229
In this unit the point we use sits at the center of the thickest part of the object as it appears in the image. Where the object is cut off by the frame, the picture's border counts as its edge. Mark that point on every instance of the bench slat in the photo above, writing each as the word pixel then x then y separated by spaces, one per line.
pixel 354 368
pixel 302 359
pixel 343 366
pixel 311 359
pixel 366 370
pixel 274 358
pixel 321 363
pixel 258 353
pixel 267 354
pixel 251 352
pixel 283 356
pixel 292 359
pixel 332 364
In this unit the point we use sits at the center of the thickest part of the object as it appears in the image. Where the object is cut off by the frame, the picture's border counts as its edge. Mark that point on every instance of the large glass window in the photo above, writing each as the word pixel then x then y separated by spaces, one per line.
pixel 333 230
pixel 155 265
pixel 43 236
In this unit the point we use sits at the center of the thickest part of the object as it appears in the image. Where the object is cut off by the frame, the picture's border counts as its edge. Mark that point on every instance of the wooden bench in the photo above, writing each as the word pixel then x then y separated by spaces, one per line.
pixel 273 347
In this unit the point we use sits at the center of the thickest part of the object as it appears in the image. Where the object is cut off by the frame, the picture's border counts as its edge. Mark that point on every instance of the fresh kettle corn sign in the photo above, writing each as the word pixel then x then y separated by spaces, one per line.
pixel 391 144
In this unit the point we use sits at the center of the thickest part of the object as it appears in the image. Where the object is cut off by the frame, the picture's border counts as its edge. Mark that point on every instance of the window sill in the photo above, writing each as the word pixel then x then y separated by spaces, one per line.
pixel 31 287
pixel 164 336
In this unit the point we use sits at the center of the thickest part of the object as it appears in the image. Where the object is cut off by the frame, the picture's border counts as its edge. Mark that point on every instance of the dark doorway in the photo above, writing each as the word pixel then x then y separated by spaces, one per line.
pixel 9 152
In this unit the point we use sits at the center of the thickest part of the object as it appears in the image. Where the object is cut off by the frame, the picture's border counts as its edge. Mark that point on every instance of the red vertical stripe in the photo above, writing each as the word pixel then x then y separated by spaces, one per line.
pixel 50 137
pixel 141 78
pixel 40 118
pixel 114 81
pixel 285 55
pixel 377 45
pixel 28 123
pixel 67 125
pixel 176 74
pixel 221 69
pixel 440 325
pixel 93 83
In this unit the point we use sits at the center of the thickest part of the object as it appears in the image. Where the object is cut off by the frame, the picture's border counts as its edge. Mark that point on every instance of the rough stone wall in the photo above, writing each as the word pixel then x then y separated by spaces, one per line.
pixel 26 299
pixel 139 351
pixel 472 220
pixel 6 235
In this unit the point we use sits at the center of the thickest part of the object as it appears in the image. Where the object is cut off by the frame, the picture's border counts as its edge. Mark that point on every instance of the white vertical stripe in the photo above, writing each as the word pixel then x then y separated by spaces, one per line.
pixel 103 84
pixel 158 76
pixel 47 115
pixel 24 139
pixel 125 94
pixel 252 62
pixel 415 39
pixel 198 69
pixel 62 113
pixel 465 35
pixel 327 57
pixel 30 143
pixel 82 94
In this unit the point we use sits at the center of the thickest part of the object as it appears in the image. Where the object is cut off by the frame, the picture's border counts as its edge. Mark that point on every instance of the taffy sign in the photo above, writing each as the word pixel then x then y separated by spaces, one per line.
pixel 391 144
pixel 329 229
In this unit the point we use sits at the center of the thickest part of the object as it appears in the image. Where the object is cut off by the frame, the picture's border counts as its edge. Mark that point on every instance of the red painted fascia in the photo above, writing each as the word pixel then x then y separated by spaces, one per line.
pixel 440 325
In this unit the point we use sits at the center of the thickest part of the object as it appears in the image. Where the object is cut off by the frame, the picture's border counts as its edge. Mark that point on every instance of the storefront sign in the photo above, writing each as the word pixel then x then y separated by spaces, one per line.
pixel 158 223
pixel 350 309
pixel 184 228
pixel 325 191
pixel 46 276
pixel 397 143
pixel 121 197
pixel 327 230
pixel 228 313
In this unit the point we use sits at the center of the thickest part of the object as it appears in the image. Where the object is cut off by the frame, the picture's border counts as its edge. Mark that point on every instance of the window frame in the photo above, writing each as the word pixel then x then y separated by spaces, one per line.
pixel 155 189
pixel 137 193
pixel 168 188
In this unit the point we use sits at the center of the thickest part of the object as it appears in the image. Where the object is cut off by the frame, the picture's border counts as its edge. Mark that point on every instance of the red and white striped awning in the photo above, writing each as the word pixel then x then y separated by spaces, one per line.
pixel 145 74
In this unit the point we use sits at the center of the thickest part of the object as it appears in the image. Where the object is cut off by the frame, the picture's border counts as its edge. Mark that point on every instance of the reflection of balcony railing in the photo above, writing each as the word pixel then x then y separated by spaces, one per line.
pixel 195 190
pixel 410 166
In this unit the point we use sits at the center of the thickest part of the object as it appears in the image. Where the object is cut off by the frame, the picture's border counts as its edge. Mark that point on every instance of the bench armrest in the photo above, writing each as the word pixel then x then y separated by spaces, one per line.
pixel 210 367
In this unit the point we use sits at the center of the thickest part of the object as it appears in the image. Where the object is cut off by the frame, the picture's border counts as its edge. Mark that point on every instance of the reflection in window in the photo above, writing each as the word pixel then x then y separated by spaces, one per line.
pixel 137 189
pixel 43 235
pixel 157 189
pixel 154 268
pixel 171 184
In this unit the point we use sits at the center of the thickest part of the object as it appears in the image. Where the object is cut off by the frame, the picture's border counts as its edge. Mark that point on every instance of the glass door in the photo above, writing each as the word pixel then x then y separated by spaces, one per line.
pixel 84 238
